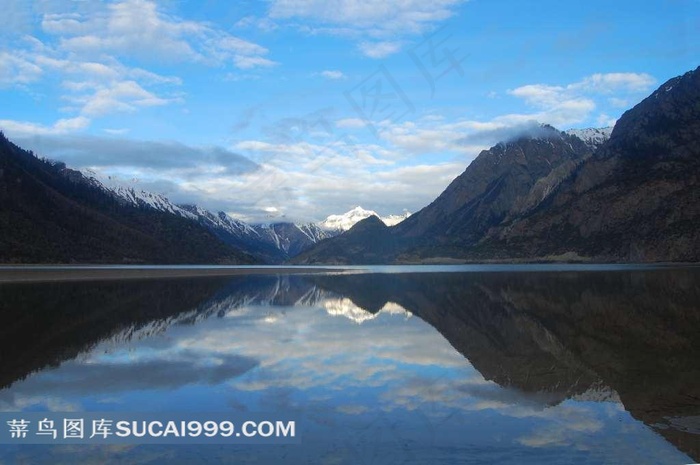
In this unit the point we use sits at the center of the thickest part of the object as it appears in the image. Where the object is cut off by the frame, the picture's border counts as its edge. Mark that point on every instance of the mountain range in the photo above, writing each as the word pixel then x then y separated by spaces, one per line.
pixel 629 194
pixel 46 205
pixel 267 242
pixel 623 194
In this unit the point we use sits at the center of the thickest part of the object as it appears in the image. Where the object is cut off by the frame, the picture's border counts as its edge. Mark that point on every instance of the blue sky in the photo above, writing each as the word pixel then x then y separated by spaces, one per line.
pixel 296 109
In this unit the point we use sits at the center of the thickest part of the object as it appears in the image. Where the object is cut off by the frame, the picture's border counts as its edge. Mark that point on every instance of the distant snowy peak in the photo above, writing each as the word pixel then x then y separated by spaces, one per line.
pixel 392 220
pixel 347 220
pixel 593 137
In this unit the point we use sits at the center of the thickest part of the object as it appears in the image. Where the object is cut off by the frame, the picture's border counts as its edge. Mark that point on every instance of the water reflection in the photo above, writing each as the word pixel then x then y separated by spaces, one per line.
pixel 523 368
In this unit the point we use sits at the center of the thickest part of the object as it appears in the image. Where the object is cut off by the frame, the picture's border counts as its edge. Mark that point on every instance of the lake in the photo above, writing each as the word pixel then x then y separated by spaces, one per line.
pixel 387 365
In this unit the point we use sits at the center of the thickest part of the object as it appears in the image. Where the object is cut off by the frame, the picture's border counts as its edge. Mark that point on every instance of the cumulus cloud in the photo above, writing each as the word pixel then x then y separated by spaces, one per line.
pixel 86 46
pixel 313 166
pixel 574 103
pixel 138 28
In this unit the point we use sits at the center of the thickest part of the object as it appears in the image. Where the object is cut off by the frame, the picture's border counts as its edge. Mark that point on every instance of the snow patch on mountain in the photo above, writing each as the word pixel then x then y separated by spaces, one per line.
pixel 593 137
pixel 134 196
pixel 220 220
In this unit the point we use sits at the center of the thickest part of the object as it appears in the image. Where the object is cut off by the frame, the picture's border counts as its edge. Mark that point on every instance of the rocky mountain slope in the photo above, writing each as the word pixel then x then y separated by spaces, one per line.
pixel 551 195
pixel 637 199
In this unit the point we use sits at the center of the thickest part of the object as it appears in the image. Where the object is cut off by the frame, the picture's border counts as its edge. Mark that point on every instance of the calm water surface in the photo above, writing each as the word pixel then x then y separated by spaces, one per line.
pixel 526 365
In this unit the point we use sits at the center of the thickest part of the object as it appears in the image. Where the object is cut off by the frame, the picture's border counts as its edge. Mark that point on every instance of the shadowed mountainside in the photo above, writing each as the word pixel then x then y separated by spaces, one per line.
pixel 49 214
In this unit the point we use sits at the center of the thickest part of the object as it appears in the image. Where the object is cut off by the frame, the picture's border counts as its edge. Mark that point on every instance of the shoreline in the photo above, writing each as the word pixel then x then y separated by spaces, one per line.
pixel 61 273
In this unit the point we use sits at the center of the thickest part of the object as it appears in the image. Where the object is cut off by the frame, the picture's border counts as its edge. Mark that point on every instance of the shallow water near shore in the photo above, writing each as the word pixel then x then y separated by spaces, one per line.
pixel 381 365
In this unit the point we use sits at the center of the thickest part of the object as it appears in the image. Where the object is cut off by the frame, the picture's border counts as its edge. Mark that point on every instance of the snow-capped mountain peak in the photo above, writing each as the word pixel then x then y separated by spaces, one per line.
pixel 593 137
pixel 348 219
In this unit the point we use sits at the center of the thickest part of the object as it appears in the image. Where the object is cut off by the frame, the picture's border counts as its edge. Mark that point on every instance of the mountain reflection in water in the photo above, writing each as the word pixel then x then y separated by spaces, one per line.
pixel 546 367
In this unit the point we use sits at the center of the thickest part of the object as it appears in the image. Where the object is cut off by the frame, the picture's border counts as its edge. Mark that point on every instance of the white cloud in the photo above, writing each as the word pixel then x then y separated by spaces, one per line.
pixel 62 126
pixel 429 136
pixel 547 95
pixel 332 74
pixel 376 18
pixel 575 102
pixel 85 46
pixel 16 70
pixel 611 82
pixel 124 96
pixel 379 49
pixel 384 22
pixel 342 172
pixel 138 28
